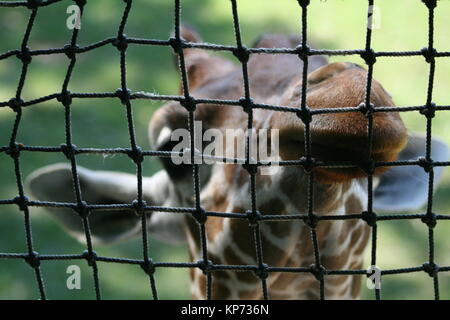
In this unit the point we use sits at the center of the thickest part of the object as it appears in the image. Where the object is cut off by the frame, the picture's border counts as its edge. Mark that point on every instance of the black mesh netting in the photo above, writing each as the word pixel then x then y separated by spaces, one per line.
pixel 121 42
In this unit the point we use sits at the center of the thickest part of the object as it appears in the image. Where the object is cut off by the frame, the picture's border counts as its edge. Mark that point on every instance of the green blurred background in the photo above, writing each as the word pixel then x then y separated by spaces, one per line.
pixel 333 24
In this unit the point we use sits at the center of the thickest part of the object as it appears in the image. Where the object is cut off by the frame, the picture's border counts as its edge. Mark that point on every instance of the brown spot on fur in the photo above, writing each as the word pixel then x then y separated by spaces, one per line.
pixel 356 235
pixel 193 234
pixel 247 277
pixel 231 257
pixel 214 226
pixel 281 296
pixel 220 291
pixel 273 206
pixel 312 295
pixel 279 229
pixel 356 287
pixel 356 284
pixel 202 284
pixel 242 235
pixel 221 275
pixel 230 172
pixel 323 229
pixel 308 282
pixel 327 197
pixel 353 205
pixel 283 280
pixel 336 280
pixel 348 227
pixel 365 237
pixel 337 262
pixel 305 246
pixel 250 294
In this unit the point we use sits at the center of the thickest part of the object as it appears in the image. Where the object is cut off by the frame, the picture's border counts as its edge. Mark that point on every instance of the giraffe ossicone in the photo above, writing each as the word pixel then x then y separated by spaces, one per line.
pixel 280 190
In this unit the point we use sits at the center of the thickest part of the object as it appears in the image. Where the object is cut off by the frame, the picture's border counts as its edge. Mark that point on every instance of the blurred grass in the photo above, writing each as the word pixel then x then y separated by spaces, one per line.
pixel 333 24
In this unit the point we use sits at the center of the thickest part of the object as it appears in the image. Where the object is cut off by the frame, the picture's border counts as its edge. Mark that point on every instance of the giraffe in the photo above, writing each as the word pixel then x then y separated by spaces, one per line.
pixel 274 79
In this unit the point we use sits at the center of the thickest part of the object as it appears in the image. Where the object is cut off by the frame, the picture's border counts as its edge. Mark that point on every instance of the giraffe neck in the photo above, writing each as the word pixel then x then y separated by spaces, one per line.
pixel 285 243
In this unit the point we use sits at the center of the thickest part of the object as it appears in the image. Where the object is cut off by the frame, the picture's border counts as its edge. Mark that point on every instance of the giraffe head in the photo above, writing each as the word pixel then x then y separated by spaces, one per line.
pixel 335 137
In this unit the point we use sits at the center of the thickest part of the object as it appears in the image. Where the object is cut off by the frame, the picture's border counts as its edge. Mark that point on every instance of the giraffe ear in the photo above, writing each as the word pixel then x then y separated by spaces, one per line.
pixel 54 183
pixel 405 188
pixel 202 66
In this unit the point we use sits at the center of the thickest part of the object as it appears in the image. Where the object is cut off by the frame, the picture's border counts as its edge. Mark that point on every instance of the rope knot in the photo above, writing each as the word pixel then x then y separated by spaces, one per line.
pixel 206 266
pixel 189 103
pixel 431 268
pixel 21 202
pixel 121 42
pixel 429 111
pixel 304 3
pixel 15 104
pixel 251 168
pixel 33 259
pixel 33 4
pixel 430 220
pixel 368 166
pixel 262 271
pixel 307 163
pixel 247 104
pixel 311 221
pixel 429 54
pixel 24 55
pixel 65 98
pixel 303 51
pixel 366 109
pixel 369 217
pixel 90 256
pixel 304 115
pixel 136 155
pixel 148 266
pixel 71 50
pixel 82 209
pixel 431 4
pixel 318 271
pixel 369 57
pixel 242 54
pixel 253 217
pixel 426 164
pixel 69 150
pixel 139 206
pixel 80 3
pixel 200 215
pixel 177 45
pixel 14 150
pixel 124 95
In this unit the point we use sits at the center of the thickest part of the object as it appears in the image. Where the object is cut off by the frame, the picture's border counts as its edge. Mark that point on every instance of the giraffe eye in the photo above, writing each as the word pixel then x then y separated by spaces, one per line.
pixel 175 171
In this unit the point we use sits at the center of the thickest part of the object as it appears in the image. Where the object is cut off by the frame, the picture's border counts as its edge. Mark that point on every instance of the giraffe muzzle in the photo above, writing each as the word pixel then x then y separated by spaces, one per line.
pixel 342 137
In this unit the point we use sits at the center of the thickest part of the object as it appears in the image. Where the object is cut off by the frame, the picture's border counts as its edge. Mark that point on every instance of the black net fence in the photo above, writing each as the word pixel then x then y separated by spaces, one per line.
pixel 122 42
